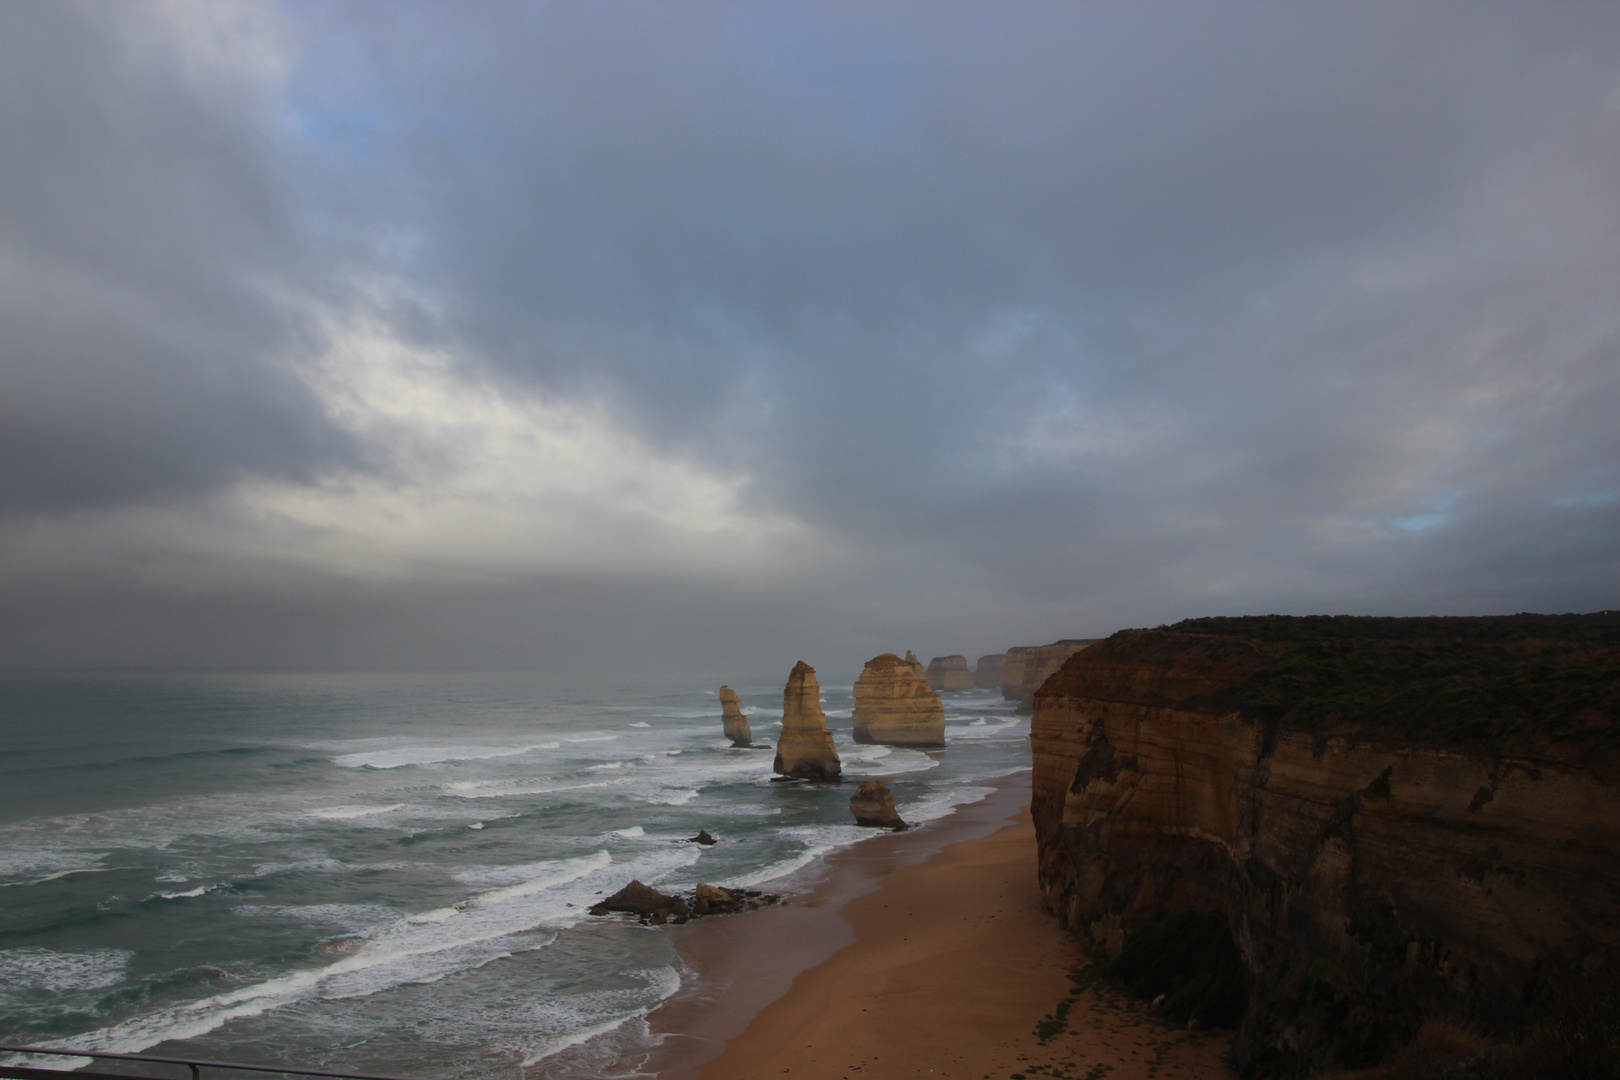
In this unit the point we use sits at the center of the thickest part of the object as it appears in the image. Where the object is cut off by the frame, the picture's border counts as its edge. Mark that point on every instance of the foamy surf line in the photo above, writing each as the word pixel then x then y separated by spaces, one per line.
pixel 415 948
pixel 732 970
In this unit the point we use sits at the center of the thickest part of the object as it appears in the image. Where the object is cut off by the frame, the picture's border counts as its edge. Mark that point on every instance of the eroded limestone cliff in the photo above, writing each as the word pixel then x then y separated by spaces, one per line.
pixel 805 749
pixel 733 720
pixel 894 704
pixel 949 673
pixel 1041 662
pixel 1396 821
pixel 1012 672
pixel 987 672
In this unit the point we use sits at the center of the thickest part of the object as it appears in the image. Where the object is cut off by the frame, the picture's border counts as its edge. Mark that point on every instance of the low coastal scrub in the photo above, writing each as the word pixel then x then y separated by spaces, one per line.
pixel 1189 961
pixel 1512 681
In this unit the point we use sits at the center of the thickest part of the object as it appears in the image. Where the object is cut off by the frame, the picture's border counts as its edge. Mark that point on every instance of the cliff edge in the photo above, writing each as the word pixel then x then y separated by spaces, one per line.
pixel 1397 819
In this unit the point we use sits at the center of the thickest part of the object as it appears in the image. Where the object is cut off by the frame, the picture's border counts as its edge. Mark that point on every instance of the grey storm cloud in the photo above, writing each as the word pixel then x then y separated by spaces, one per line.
pixel 352 334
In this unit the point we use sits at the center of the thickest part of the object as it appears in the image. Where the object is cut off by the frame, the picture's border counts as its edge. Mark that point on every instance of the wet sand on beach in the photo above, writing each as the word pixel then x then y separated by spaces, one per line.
pixel 916 955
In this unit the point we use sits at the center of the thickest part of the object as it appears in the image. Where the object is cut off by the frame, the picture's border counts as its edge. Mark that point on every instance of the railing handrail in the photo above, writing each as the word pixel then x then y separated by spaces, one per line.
pixel 192 1062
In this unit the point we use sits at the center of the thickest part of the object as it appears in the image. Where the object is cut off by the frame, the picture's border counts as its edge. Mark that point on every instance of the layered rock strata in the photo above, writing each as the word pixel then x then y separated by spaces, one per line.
pixel 1012 672
pixel 949 673
pixel 805 749
pixel 873 805
pixel 1041 662
pixel 1383 846
pixel 733 720
pixel 987 672
pixel 894 704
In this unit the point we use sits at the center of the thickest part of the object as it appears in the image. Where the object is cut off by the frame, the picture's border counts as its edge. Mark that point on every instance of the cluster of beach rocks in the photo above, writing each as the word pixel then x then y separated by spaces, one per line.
pixel 653 908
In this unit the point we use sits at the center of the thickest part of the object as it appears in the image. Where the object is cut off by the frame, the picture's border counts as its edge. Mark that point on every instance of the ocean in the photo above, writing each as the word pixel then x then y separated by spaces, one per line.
pixel 390 873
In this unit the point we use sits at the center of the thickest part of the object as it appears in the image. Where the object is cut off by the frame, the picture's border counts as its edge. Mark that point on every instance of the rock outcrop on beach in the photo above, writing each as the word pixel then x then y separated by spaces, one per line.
pixel 894 704
pixel 733 720
pixel 987 672
pixel 646 902
pixel 873 804
pixel 1012 672
pixel 1395 819
pixel 805 749
pixel 949 673
pixel 654 908
pixel 1041 662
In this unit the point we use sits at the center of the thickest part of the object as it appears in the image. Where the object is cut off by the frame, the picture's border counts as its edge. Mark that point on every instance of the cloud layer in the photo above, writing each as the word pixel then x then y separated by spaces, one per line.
pixel 343 335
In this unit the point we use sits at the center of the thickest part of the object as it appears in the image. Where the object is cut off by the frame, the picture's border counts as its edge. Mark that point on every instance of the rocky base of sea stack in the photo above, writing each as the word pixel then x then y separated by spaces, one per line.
pixel 653 908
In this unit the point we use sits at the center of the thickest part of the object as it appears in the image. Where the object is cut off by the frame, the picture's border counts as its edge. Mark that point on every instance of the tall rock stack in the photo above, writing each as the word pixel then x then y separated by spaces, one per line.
pixel 987 673
pixel 911 659
pixel 1012 672
pixel 732 718
pixel 894 704
pixel 805 749
pixel 1041 663
pixel 949 673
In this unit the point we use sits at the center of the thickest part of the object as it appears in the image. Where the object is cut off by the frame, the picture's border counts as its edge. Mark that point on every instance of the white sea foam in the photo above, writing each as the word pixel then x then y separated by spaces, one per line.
pixel 346 813
pixel 505 789
pixel 31 967
pixel 198 891
pixel 419 948
pixel 631 833
pixel 401 756
pixel 591 738
pixel 663 984
pixel 639 723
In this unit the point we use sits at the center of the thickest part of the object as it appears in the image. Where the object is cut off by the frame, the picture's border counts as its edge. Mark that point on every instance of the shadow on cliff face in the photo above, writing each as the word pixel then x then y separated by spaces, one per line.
pixel 1405 823
pixel 1190 962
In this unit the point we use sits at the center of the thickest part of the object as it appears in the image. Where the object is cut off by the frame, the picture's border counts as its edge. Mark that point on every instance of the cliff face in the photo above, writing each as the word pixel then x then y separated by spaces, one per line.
pixel 733 720
pixel 1370 878
pixel 806 748
pixel 1012 672
pixel 894 704
pixel 1041 662
pixel 949 673
pixel 987 672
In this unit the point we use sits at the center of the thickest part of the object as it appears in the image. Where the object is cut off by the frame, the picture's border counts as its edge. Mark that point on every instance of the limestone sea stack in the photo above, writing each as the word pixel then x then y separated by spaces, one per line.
pixel 1012 672
pixel 732 718
pixel 873 804
pixel 949 673
pixel 987 673
pixel 805 749
pixel 1041 663
pixel 894 704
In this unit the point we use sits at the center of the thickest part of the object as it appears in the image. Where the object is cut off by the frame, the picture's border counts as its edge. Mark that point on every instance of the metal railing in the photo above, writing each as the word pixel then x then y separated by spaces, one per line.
pixel 26 1072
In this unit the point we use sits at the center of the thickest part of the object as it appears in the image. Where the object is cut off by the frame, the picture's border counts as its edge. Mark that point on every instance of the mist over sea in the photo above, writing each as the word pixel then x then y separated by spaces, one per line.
pixel 390 873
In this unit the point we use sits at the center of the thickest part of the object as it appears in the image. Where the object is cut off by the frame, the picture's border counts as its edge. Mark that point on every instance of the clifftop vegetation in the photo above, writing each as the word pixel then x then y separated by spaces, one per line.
pixel 1515 682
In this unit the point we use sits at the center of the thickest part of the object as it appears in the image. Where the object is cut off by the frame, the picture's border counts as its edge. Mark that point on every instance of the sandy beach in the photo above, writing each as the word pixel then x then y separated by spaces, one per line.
pixel 922 954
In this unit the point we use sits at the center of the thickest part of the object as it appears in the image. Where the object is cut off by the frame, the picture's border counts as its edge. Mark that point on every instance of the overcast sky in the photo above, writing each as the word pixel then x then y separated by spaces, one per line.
pixel 397 335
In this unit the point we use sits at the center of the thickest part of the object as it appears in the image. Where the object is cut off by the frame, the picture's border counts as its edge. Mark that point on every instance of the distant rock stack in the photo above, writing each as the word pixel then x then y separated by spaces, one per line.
pixel 1012 672
pixel 1041 663
pixel 911 659
pixel 987 673
pixel 732 718
pixel 873 804
pixel 949 673
pixel 894 704
pixel 805 749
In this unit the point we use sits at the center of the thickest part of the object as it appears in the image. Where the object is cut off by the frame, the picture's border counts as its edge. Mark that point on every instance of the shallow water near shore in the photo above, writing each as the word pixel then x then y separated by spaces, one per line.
pixel 389 873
